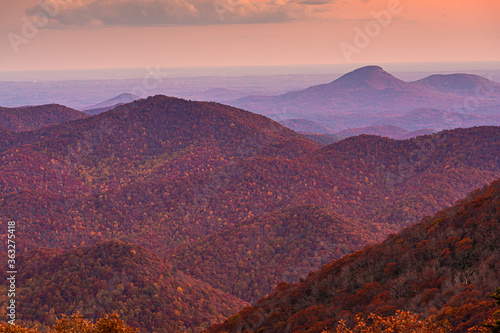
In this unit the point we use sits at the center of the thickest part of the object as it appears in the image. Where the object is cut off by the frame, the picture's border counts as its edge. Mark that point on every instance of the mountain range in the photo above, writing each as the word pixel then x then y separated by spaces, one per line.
pixel 224 205
pixel 379 97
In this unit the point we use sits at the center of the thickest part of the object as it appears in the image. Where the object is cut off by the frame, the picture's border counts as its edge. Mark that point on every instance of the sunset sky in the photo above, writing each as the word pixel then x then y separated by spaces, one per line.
pixel 79 34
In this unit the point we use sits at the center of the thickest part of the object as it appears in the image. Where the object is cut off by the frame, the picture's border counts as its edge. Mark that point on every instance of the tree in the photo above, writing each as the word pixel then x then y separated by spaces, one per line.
pixel 76 324
pixel 495 325
pixel 401 322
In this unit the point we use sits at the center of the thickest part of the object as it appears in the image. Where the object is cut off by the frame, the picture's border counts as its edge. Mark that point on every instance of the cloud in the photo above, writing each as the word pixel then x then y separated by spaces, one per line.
pixel 65 13
pixel 316 2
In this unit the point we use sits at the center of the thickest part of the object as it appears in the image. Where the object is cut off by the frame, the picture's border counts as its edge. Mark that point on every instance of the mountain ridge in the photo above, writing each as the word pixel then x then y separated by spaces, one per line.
pixel 23 119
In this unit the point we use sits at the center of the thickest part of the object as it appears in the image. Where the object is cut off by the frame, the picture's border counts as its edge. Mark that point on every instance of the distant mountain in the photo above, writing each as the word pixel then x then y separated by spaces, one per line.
pixel 388 131
pixel 304 125
pixel 111 103
pixel 368 89
pixel 34 117
pixel 461 85
pixel 369 77
pixel 220 95
pixel 370 96
pixel 116 277
pixel 444 268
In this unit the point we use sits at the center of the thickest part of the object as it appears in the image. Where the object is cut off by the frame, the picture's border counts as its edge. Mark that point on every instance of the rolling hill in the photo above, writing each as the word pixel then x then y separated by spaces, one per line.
pixel 443 268
pixel 174 175
pixel 29 118
pixel 115 277
pixel 150 139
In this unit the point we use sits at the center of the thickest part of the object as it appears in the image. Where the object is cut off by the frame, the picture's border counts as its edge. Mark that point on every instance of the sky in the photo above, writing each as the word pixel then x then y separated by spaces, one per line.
pixel 94 34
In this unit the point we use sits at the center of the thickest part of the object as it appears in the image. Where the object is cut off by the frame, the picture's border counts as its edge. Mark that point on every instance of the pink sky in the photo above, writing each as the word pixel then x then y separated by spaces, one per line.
pixel 75 34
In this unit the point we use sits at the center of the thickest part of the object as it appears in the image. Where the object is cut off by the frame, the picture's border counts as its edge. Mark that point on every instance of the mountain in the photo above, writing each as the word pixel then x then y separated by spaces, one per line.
pixel 370 96
pixel 461 85
pixel 116 277
pixel 389 131
pixel 369 77
pixel 365 90
pixel 220 95
pixel 443 268
pixel 34 117
pixel 111 103
pixel 155 138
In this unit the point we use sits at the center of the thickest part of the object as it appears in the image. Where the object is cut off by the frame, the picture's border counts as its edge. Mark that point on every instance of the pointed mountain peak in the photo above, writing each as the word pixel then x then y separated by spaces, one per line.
pixel 369 77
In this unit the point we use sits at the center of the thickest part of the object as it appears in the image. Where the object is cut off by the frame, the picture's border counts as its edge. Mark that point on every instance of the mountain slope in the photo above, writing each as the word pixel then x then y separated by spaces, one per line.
pixel 165 172
pixel 115 276
pixel 7 138
pixel 445 266
pixel 34 117
pixel 250 258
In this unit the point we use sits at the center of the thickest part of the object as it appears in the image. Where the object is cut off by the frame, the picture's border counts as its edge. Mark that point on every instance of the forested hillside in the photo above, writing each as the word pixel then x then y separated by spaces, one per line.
pixel 444 268
pixel 29 118
pixel 228 197
pixel 113 276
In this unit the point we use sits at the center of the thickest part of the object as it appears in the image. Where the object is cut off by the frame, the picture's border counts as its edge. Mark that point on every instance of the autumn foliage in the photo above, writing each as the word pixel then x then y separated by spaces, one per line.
pixel 442 270
pixel 216 194
pixel 76 324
